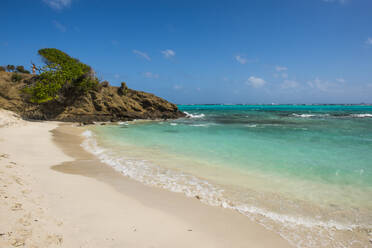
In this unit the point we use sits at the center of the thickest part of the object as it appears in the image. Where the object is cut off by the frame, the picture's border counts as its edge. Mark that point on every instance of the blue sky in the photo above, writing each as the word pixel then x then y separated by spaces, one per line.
pixel 251 51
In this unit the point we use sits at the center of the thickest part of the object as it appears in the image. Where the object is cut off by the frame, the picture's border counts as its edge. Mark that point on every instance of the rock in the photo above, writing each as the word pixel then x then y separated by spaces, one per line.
pixel 107 104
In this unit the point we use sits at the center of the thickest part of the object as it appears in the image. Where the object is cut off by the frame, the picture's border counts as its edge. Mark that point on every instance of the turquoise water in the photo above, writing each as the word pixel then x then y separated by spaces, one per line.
pixel 303 171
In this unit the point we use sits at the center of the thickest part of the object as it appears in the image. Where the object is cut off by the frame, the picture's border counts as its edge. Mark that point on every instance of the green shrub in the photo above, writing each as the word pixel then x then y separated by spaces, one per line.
pixel 61 76
pixel 21 69
pixel 2 68
pixel 123 90
pixel 105 84
pixel 10 68
pixel 16 77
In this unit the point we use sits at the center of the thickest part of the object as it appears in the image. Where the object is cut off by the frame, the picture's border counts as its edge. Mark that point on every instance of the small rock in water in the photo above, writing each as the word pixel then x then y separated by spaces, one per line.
pixel 189 230
pixel 197 197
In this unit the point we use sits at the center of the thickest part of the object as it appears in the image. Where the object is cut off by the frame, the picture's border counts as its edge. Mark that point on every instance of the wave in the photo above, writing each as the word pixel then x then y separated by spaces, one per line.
pixel 311 115
pixel 304 115
pixel 188 115
pixel 361 115
pixel 251 125
pixel 200 125
pixel 365 115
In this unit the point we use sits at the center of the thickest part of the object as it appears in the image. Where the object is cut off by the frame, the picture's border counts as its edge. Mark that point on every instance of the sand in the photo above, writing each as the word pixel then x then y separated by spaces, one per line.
pixel 54 194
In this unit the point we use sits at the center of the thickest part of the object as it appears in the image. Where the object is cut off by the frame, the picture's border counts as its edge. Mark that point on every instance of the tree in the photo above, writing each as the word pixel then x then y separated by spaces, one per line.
pixel 21 69
pixel 2 68
pixel 62 75
pixel 10 68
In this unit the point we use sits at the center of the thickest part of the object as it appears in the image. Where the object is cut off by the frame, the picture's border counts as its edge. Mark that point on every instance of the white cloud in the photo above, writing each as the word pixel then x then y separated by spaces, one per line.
pixel 150 75
pixel 369 41
pixel 280 68
pixel 336 1
pixel 168 53
pixel 284 75
pixel 241 59
pixel 177 87
pixel 58 4
pixel 59 26
pixel 320 84
pixel 327 86
pixel 288 84
pixel 314 83
pixel 142 54
pixel 340 80
pixel 256 82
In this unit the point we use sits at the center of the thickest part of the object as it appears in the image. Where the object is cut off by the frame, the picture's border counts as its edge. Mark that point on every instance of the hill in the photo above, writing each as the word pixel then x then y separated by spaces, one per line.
pixel 106 103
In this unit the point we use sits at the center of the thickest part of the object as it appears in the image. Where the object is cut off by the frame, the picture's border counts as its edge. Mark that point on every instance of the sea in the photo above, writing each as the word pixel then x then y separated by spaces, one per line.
pixel 303 171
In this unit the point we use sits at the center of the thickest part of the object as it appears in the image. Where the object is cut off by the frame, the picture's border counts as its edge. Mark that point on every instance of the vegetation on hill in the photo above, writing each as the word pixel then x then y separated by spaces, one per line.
pixel 16 77
pixel 21 69
pixel 10 68
pixel 61 76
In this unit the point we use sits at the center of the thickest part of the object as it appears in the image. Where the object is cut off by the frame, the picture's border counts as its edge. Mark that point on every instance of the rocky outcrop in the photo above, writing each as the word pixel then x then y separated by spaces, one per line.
pixel 106 104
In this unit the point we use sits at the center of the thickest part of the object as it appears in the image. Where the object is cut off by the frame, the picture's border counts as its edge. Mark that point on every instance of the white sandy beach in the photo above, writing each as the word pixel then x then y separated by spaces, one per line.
pixel 54 194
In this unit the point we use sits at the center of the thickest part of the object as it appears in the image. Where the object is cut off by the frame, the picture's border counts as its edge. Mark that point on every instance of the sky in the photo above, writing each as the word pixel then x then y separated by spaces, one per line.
pixel 195 52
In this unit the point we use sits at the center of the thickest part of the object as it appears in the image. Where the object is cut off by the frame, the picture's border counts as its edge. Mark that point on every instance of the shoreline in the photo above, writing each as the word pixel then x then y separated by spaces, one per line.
pixel 89 204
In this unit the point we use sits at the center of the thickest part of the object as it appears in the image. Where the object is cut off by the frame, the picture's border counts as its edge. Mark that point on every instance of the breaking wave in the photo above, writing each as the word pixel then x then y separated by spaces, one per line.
pixel 361 115
pixel 188 115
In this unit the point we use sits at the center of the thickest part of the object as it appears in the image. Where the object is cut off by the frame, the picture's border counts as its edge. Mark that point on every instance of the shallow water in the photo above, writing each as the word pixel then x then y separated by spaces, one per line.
pixel 303 171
